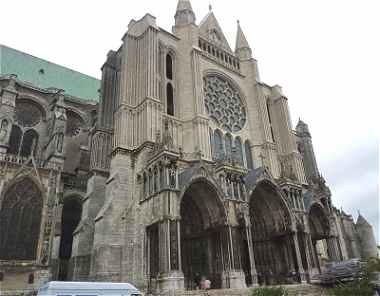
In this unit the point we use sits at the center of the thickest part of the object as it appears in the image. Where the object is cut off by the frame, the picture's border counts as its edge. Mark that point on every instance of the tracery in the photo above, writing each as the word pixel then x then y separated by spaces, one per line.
pixel 223 103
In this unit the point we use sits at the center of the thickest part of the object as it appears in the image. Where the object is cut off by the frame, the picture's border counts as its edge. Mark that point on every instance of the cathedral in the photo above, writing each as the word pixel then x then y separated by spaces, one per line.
pixel 184 166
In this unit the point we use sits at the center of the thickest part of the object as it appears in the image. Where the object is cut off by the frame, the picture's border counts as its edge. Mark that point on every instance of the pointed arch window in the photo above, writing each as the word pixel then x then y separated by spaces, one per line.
pixel 169 66
pixel 15 140
pixel 29 143
pixel 71 216
pixel 228 145
pixel 20 221
pixel 169 99
pixel 169 77
pixel 248 154
pixel 218 145
pixel 23 143
pixel 239 152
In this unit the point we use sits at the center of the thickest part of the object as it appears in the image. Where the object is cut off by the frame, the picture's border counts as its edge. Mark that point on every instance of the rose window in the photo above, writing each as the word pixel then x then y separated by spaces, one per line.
pixel 27 114
pixel 223 104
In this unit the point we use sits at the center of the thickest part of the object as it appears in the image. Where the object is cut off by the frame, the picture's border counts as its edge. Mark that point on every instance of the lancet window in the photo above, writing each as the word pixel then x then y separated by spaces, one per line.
pixel 238 152
pixel 20 221
pixel 169 75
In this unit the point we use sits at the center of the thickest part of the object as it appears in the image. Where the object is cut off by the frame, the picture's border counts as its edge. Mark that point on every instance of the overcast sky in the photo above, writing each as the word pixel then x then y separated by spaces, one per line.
pixel 324 53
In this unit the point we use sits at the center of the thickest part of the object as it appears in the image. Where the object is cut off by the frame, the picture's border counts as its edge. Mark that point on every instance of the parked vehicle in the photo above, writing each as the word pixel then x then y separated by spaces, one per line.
pixel 88 289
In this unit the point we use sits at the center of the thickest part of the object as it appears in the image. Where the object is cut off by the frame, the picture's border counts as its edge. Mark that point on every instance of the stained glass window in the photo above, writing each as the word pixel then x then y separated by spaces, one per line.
pixel 20 221
pixel 223 103
pixel 238 152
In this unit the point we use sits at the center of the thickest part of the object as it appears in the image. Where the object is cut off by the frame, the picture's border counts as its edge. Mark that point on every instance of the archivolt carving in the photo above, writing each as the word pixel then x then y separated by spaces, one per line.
pixel 223 103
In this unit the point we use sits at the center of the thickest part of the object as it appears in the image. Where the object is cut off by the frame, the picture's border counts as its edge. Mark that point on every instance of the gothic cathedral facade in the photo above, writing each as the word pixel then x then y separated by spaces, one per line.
pixel 188 167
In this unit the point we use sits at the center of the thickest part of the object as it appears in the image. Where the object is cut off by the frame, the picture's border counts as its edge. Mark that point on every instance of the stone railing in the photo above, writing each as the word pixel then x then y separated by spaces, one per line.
pixel 22 160
pixel 18 159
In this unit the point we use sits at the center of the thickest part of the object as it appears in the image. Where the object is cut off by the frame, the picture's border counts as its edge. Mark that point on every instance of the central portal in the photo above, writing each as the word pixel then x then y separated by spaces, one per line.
pixel 201 236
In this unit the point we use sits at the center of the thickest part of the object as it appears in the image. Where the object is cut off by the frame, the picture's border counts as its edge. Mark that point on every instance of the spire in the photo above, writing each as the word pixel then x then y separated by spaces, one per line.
pixel 184 14
pixel 302 128
pixel 242 48
pixel 362 221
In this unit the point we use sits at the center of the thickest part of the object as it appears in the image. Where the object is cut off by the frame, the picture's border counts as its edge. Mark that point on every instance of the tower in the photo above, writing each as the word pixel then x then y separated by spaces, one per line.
pixel 184 14
pixel 368 246
pixel 305 146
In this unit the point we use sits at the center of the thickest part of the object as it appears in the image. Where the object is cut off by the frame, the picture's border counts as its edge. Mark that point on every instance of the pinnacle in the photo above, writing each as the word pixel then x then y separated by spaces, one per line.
pixel 362 221
pixel 184 5
pixel 241 41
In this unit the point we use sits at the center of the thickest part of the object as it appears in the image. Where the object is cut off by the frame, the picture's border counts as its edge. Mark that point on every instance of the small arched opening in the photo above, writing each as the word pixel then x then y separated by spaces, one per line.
pixel 71 215
pixel 15 140
pixel 169 67
pixel 169 99
pixel 29 143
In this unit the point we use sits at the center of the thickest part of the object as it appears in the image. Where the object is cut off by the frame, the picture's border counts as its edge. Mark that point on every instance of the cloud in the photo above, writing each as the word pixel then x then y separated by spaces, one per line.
pixel 353 179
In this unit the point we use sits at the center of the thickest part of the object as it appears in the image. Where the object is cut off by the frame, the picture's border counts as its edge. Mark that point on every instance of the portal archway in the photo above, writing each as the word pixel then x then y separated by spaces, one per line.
pixel 272 236
pixel 202 220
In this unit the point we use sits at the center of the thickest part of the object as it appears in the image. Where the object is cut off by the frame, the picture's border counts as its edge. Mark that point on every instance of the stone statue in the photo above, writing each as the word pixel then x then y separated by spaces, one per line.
pixel 167 140
pixel 4 131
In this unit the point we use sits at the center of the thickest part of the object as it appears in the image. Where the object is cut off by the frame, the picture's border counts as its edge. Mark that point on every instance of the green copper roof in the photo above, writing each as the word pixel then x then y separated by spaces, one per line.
pixel 45 74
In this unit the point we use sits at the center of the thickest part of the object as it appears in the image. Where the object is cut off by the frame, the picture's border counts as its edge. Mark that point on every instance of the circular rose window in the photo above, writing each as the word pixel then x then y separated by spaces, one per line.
pixel 27 114
pixel 223 103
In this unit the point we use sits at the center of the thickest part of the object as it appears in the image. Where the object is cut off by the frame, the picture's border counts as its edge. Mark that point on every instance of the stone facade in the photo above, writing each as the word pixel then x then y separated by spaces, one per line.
pixel 188 167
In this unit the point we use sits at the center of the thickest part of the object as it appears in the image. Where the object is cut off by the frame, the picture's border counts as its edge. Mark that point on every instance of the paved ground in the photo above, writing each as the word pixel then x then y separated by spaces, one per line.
pixel 295 290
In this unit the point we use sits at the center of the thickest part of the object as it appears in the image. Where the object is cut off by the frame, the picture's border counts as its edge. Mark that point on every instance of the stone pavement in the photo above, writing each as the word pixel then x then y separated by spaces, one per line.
pixel 295 290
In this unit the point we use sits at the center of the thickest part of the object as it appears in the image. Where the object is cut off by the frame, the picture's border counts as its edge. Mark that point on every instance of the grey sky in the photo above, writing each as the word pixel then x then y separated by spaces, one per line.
pixel 324 53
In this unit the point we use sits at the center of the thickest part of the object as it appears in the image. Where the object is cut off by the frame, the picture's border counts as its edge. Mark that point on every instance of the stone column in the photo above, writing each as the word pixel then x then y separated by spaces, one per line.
pixel 233 277
pixel 301 271
pixel 251 256
pixel 171 275
pixel 307 253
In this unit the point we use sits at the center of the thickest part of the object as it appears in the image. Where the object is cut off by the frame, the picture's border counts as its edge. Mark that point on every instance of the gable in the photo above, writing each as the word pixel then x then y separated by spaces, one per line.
pixel 210 29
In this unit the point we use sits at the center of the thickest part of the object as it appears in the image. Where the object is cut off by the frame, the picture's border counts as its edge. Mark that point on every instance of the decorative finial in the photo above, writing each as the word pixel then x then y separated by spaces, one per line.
pixel 238 21
pixel 210 7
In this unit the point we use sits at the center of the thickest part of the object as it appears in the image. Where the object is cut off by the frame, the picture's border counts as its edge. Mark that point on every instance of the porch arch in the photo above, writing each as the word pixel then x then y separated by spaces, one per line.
pixel 203 217
pixel 274 244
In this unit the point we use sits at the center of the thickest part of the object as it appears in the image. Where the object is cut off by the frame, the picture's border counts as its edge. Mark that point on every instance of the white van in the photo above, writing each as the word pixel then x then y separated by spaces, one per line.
pixel 88 289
